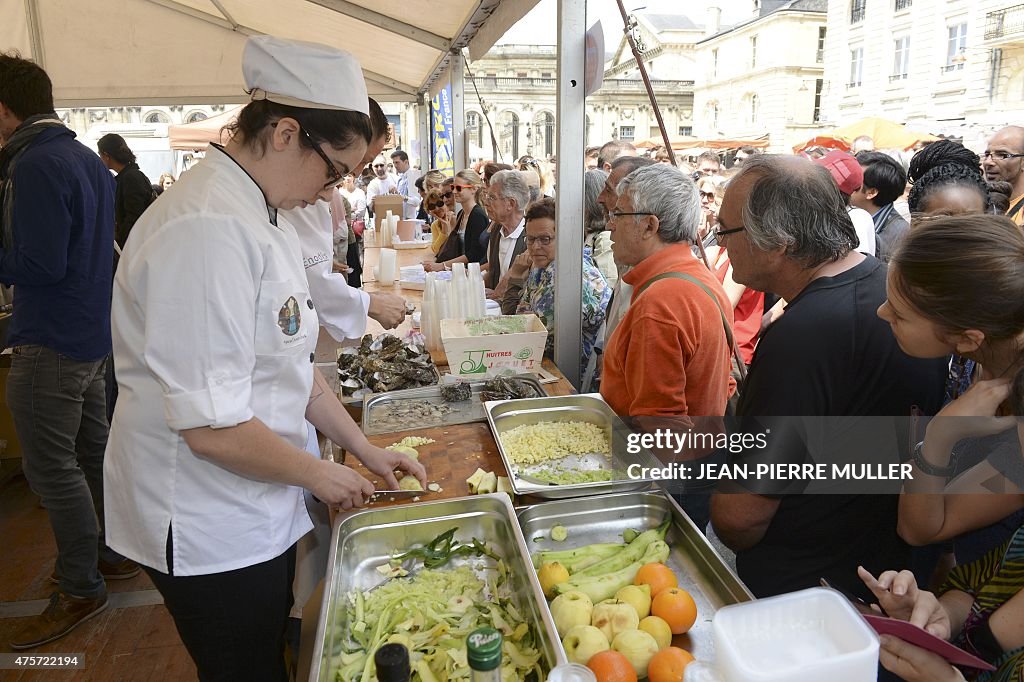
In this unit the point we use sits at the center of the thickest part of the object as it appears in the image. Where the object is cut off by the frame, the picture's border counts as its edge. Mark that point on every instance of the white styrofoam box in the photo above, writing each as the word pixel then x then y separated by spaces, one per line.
pixel 806 636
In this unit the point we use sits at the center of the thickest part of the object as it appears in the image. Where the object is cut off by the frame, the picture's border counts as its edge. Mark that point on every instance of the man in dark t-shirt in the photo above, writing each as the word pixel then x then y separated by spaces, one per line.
pixel 787 231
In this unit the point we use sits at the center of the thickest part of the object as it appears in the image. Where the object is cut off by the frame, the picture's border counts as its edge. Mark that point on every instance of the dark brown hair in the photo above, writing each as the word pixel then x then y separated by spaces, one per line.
pixel 25 88
pixel 966 272
pixel 339 129
pixel 540 209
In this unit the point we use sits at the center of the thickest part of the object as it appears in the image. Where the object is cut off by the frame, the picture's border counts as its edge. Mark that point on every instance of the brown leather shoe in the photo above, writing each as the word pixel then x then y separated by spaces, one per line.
pixel 122 570
pixel 63 614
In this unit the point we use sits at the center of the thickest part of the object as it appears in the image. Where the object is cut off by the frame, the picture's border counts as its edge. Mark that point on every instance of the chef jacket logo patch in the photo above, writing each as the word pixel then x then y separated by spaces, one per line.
pixel 289 317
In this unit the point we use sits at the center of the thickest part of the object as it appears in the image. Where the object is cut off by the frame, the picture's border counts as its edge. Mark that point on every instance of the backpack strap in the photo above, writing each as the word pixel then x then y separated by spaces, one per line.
pixel 734 349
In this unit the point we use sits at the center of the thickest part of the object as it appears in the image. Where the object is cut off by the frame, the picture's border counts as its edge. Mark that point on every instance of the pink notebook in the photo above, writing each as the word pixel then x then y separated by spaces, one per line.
pixel 920 637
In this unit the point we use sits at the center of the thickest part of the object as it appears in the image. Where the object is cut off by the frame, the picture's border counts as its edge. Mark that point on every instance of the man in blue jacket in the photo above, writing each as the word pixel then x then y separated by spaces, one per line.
pixel 56 250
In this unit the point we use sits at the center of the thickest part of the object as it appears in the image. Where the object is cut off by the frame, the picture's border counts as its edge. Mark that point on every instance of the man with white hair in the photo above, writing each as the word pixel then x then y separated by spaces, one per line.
pixel 669 357
pixel 507 199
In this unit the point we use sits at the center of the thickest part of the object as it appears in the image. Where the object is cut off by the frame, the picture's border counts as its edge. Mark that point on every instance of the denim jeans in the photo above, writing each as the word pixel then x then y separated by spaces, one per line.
pixel 59 410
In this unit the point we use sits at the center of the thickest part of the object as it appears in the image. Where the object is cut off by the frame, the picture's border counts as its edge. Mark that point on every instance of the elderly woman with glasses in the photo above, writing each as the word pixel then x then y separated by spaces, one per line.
pixel 531 281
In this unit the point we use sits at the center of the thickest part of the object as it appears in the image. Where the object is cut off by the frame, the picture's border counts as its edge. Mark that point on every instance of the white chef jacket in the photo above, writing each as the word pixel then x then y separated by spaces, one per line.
pixel 341 309
pixel 212 325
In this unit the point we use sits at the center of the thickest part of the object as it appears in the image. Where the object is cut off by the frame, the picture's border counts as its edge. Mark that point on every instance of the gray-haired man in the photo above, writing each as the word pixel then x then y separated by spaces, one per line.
pixel 507 198
pixel 787 231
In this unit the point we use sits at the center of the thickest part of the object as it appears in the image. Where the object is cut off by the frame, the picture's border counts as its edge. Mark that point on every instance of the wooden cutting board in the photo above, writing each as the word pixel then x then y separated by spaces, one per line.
pixel 453 458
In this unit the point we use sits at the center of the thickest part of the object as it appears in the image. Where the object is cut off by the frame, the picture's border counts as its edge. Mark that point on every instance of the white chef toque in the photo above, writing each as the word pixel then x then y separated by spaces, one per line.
pixel 301 74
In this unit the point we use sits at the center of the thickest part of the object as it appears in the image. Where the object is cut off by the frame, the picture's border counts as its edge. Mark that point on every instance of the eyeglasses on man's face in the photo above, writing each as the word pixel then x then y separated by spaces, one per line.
pixel 725 233
pixel 1000 156
pixel 448 195
pixel 378 165
pixel 615 215
pixel 543 240
pixel 332 172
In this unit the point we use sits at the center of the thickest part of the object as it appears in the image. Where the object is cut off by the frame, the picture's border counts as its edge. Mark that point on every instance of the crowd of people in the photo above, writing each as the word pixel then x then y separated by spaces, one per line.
pixel 784 286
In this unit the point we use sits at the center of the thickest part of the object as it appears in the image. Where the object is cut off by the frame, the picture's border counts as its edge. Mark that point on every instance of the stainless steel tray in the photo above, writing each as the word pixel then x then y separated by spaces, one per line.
pixel 503 415
pixel 464 412
pixel 701 570
pixel 364 540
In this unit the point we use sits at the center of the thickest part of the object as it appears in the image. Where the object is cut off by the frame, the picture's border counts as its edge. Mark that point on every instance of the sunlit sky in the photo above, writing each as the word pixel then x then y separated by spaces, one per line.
pixel 539 27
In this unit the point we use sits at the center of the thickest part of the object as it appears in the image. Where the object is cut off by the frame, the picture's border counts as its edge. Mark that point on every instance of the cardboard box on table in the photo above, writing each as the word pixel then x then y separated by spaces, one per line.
pixel 383 203
pixel 476 354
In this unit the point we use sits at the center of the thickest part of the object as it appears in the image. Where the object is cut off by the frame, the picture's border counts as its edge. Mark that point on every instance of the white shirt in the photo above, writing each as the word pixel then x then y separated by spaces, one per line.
pixel 865 227
pixel 379 186
pixel 506 245
pixel 357 200
pixel 212 326
pixel 341 309
pixel 407 187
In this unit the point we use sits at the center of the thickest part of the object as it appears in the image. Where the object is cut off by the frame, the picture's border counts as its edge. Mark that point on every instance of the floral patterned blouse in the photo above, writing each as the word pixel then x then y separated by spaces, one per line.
pixel 538 296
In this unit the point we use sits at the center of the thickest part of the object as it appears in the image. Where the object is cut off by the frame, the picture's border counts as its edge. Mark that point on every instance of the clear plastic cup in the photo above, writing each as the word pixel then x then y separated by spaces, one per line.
pixel 571 672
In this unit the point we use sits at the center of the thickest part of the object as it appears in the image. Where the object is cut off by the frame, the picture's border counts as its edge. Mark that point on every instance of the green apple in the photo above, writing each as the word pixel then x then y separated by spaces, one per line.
pixel 571 609
pixel 639 596
pixel 612 616
pixel 659 629
pixel 638 647
pixel 582 642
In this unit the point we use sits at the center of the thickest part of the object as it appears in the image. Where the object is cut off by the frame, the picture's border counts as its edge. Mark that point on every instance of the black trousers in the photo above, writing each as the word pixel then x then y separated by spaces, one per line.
pixel 233 623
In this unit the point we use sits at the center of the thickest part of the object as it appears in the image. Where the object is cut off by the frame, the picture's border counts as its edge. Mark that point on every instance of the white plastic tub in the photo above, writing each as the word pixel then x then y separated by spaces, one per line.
pixel 805 636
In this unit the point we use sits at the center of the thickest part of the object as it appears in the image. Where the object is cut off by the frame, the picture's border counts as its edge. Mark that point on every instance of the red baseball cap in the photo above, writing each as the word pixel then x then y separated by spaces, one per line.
pixel 844 169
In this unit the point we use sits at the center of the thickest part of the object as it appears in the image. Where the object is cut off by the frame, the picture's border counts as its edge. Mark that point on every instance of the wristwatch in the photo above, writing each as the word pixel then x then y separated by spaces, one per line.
pixel 929 468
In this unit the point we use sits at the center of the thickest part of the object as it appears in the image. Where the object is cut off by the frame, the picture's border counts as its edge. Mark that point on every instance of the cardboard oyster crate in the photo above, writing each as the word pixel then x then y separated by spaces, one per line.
pixel 475 347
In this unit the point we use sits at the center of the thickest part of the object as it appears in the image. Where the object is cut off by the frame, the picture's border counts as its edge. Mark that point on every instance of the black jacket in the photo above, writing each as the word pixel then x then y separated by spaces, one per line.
pixel 889 234
pixel 494 270
pixel 132 197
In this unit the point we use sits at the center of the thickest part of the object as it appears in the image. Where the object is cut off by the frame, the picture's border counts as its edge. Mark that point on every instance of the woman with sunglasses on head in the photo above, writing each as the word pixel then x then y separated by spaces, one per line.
pixel 955 285
pixel 442 225
pixel 214 332
pixel 466 243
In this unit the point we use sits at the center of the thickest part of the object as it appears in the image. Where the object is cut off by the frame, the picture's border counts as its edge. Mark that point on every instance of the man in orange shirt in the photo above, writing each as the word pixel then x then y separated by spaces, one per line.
pixel 1004 160
pixel 669 356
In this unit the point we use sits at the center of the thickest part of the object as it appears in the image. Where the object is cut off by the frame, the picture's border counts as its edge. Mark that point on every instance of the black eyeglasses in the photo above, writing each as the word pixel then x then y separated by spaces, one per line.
pixel 434 207
pixel 725 233
pixel 543 241
pixel 448 195
pixel 378 165
pixel 612 215
pixel 1000 156
pixel 332 171
pixel 710 196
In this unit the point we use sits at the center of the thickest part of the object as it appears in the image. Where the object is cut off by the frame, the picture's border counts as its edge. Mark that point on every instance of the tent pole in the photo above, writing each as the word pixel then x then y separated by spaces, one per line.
pixel 457 78
pixel 570 114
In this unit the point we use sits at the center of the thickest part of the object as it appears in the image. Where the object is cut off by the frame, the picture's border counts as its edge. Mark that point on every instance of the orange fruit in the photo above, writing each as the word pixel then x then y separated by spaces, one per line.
pixel 668 664
pixel 676 607
pixel 658 576
pixel 611 666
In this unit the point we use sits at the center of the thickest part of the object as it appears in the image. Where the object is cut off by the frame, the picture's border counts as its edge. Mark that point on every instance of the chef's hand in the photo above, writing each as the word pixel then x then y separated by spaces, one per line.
pixel 388 309
pixel 897 593
pixel 384 463
pixel 339 485
pixel 914 664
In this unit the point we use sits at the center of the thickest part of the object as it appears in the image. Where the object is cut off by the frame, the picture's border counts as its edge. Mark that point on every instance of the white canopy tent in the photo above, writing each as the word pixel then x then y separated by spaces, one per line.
pixel 130 52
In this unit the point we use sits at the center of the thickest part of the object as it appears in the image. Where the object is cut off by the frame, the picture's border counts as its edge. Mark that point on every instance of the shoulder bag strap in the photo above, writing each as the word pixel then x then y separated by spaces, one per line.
pixel 1015 209
pixel 725 322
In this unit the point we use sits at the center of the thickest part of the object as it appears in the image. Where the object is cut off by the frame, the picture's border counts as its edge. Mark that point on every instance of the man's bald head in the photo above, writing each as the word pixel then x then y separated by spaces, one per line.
pixel 1001 162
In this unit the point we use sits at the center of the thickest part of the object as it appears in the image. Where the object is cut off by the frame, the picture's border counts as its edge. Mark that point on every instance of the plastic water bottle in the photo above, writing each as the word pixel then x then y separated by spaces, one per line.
pixel 483 652
pixel 571 672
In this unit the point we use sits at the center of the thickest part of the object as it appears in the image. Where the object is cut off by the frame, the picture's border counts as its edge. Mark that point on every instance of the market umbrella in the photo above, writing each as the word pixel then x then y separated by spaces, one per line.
pixel 886 135
pixel 686 142
pixel 189 136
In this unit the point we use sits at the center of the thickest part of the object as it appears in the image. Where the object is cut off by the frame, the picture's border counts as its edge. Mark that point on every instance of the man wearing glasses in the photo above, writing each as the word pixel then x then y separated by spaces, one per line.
pixel 1004 160
pixel 382 183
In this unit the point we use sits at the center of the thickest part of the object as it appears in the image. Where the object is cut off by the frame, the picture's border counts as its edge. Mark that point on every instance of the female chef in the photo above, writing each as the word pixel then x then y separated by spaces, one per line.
pixel 214 332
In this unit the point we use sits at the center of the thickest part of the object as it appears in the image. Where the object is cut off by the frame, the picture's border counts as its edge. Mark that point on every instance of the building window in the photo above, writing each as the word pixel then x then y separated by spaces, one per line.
pixel 818 86
pixel 522 74
pixel 903 4
pixel 754 104
pixel 856 68
pixel 510 134
pixel 714 115
pixel 857 9
pixel 195 117
pixel 544 133
pixel 157 117
pixel 627 132
pixel 901 59
pixel 714 63
pixel 474 131
pixel 821 44
pixel 956 47
pixel 545 74
pixel 686 131
pixel 753 52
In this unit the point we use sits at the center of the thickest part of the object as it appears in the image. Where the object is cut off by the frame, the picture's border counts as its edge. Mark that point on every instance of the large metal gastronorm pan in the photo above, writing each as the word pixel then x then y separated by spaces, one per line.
pixel 503 415
pixel 701 570
pixel 367 539
pixel 462 412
